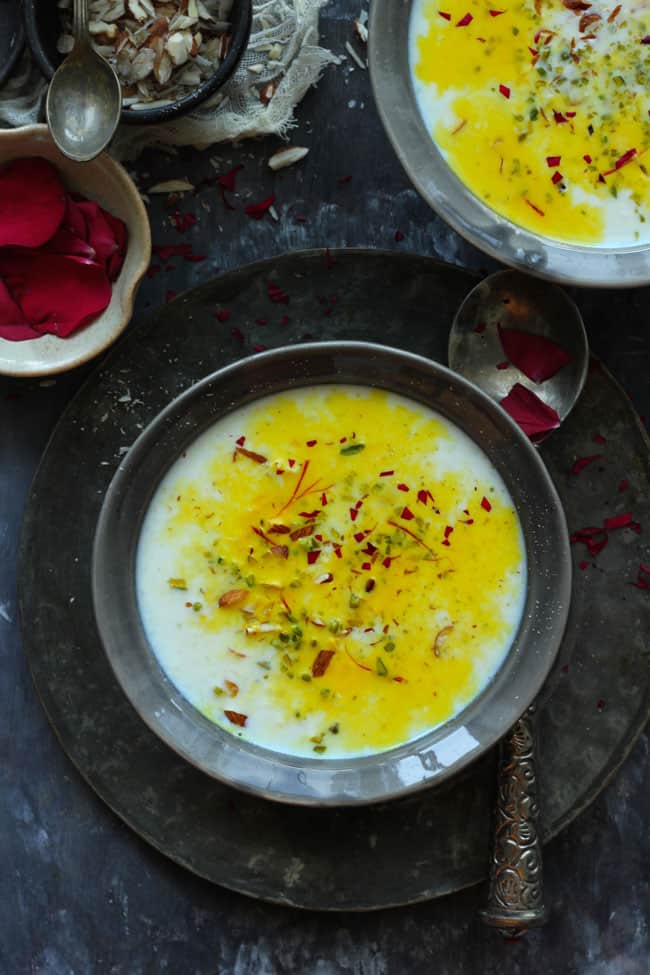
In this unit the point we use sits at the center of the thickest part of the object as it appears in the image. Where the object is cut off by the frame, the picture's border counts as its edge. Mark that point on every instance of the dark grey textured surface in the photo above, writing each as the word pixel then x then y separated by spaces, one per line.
pixel 79 893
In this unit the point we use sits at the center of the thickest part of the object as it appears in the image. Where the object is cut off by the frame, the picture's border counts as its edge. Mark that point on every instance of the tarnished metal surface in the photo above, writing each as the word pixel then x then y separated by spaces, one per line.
pixel 596 701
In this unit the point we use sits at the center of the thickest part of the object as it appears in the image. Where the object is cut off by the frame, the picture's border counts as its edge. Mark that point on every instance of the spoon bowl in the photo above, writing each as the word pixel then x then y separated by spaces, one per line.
pixel 515 300
pixel 84 99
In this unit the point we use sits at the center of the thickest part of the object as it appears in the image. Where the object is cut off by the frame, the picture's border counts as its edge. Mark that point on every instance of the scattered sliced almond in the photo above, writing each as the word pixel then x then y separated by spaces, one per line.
pixel 287 157
pixel 172 186
pixel 355 57
pixel 360 30
pixel 267 92
pixel 232 597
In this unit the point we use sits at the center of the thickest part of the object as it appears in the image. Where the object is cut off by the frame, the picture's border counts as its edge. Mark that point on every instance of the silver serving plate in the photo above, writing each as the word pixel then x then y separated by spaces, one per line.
pixel 388 52
pixel 436 755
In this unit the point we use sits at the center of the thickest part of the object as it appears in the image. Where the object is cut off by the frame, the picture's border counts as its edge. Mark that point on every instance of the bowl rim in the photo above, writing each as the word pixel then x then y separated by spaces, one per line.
pixel 16 50
pixel 38 133
pixel 164 113
pixel 429 759
pixel 435 181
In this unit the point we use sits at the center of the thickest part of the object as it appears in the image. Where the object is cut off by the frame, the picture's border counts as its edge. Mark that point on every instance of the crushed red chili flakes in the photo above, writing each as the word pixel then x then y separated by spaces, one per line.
pixel 258 210
pixel 583 462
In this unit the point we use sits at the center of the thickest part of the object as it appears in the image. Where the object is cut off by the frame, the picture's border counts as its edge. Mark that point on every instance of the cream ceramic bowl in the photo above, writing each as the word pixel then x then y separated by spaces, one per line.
pixel 108 183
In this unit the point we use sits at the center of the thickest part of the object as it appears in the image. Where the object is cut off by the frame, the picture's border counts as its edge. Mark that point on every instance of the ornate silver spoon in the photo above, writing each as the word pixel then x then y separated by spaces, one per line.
pixel 515 900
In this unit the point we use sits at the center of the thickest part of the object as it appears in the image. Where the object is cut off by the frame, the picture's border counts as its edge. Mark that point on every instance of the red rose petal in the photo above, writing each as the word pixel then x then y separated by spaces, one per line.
pixel 65 241
pixel 538 357
pixel 583 462
pixel 624 485
pixel 105 233
pixel 32 202
pixel 465 21
pixel 13 325
pixel 257 210
pixel 618 521
pixel 599 439
pixel 553 161
pixel 485 504
pixel 57 294
pixel 504 90
pixel 533 416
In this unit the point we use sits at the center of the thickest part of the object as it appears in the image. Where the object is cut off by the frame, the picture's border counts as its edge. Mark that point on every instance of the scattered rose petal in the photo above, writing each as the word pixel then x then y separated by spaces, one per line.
pixel 257 210
pixel 623 486
pixel 222 315
pixel 32 202
pixel 399 236
pixel 226 183
pixel 503 365
pixel 166 251
pixel 480 328
pixel 504 90
pixel 277 294
pixel 601 705
pixel 538 357
pixel 444 15
pixel 485 504
pixel 599 439
pixel 618 521
pixel 170 295
pixel 237 334
pixel 465 21
pixel 533 415
pixel 583 462
pixel 553 161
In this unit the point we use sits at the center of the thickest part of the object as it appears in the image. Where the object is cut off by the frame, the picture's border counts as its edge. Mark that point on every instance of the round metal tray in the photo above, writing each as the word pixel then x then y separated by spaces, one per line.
pixel 593 707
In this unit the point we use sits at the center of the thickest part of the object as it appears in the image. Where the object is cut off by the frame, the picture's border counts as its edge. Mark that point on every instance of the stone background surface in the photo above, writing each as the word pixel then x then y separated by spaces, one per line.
pixel 79 893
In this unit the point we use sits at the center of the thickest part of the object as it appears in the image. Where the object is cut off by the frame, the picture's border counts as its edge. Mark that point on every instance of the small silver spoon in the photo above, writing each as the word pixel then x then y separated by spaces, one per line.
pixel 515 300
pixel 84 99
pixel 515 900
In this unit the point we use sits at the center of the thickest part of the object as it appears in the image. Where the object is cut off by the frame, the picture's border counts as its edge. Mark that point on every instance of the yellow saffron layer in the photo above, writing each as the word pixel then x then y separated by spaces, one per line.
pixel 524 83
pixel 403 616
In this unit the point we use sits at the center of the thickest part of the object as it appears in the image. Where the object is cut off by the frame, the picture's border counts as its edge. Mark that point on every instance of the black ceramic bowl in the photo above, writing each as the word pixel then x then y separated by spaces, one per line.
pixel 42 30
pixel 12 37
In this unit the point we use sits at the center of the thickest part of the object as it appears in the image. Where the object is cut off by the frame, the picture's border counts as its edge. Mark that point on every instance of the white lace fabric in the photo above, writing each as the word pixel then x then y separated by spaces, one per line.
pixel 283 51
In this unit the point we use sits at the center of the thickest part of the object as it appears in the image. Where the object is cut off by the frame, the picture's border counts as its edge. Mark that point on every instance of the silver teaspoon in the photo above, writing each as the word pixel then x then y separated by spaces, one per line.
pixel 515 899
pixel 84 99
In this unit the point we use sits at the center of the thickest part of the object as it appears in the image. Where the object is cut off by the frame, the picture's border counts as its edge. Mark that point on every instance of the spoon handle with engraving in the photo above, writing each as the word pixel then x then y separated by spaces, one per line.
pixel 515 899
